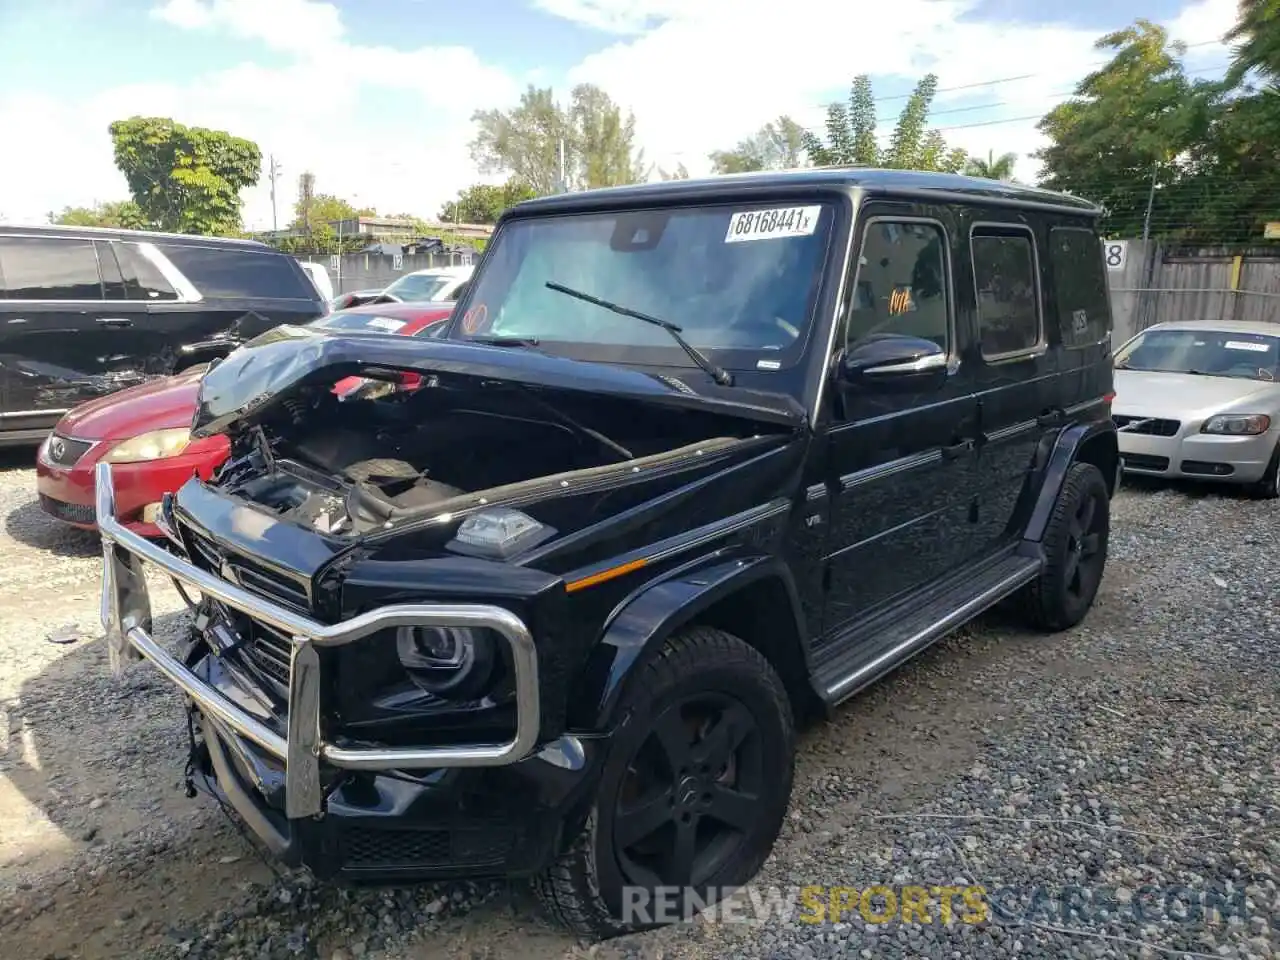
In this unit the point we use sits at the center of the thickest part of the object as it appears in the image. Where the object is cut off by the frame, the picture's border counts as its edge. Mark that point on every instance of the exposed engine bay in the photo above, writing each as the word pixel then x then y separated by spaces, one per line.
pixel 347 467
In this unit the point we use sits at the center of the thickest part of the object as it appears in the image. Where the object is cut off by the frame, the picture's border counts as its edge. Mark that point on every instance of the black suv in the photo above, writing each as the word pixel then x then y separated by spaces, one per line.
pixel 84 312
pixel 692 463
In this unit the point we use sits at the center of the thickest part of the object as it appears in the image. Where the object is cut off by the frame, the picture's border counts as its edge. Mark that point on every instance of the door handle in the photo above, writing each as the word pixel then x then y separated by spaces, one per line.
pixel 115 321
pixel 956 450
pixel 1053 417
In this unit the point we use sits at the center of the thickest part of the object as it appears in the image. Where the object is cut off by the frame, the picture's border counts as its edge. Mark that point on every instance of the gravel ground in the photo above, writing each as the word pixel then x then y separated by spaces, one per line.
pixel 1099 785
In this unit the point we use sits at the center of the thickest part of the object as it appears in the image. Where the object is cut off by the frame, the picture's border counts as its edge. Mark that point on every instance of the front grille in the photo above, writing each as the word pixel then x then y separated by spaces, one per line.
pixel 1151 426
pixel 216 560
pixel 1143 461
pixel 365 848
pixel 68 512
pixel 65 452
pixel 269 651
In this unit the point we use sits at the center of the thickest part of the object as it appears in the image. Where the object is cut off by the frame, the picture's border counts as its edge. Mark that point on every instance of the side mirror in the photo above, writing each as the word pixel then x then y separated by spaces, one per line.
pixel 894 362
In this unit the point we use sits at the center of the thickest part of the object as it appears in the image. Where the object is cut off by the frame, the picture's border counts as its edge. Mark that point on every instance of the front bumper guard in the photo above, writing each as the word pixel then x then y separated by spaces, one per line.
pixel 126 616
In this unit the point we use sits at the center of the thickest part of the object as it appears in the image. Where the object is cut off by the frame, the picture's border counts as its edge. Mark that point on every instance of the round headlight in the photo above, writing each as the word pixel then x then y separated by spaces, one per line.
pixel 454 662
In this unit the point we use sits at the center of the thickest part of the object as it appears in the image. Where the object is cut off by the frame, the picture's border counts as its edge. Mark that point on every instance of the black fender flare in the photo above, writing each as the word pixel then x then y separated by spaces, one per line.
pixel 642 622
pixel 1066 451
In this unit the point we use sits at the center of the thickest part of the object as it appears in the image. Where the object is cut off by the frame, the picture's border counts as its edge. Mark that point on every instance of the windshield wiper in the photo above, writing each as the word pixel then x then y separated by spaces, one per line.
pixel 504 341
pixel 720 375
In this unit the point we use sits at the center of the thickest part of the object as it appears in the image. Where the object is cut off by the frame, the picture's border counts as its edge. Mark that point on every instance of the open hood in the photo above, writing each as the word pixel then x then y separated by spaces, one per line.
pixel 273 367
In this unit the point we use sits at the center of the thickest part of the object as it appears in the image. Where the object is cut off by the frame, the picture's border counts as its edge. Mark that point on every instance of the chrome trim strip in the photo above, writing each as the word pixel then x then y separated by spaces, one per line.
pixel 125 612
pixel 1004 433
pixel 881 470
pixel 842 688
pixel 34 413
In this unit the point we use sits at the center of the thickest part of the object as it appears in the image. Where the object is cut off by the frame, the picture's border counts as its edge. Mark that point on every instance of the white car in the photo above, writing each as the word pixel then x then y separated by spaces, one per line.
pixel 319 277
pixel 444 284
pixel 1201 400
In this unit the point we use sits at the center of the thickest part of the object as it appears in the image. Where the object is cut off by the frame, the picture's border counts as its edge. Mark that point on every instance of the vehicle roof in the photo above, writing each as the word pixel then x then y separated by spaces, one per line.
pixel 139 236
pixel 944 187
pixel 1219 326
pixel 405 311
pixel 455 271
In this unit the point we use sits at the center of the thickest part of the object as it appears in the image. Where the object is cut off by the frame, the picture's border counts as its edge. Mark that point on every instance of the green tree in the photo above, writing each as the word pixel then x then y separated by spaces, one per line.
pixel 679 173
pixel 851 134
pixel 484 203
pixel 123 214
pixel 1131 123
pixel 596 140
pixel 992 168
pixel 185 179
pixel 1256 38
pixel 778 145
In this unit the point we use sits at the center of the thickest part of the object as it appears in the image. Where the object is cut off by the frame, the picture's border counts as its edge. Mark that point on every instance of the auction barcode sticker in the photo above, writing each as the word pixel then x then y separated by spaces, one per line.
pixel 1251 345
pixel 770 224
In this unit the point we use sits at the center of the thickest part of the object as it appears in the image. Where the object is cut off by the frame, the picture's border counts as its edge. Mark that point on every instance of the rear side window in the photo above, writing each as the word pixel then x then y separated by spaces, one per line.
pixel 142 278
pixel 47 268
pixel 1080 285
pixel 241 273
pixel 1004 272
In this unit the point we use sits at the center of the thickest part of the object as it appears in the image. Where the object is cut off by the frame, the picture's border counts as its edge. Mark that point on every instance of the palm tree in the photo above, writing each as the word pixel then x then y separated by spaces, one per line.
pixel 992 168
pixel 1256 40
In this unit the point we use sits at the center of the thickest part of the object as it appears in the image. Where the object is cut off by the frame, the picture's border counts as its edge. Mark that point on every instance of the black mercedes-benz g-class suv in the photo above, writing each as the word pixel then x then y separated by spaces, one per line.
pixel 693 462
pixel 86 311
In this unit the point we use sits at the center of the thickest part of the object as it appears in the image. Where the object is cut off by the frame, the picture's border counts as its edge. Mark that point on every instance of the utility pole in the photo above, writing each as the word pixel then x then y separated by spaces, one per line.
pixel 1151 197
pixel 273 171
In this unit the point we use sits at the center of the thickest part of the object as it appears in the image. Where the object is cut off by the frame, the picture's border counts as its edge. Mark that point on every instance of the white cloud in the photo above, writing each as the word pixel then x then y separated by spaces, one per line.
pixel 310 112
pixel 712 71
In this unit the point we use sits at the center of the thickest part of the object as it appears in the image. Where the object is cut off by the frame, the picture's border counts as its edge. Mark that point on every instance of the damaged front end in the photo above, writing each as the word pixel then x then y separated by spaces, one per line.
pixel 385 646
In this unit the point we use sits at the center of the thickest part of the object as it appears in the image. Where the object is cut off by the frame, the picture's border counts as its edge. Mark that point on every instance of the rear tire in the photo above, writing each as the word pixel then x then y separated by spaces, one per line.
pixel 1075 549
pixel 706 734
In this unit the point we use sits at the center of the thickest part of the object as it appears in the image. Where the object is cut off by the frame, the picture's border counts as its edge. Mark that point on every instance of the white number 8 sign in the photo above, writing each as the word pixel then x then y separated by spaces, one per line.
pixel 1115 253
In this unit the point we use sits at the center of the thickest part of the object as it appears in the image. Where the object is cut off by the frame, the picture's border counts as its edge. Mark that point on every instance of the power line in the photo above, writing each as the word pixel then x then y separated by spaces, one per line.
pixel 1002 80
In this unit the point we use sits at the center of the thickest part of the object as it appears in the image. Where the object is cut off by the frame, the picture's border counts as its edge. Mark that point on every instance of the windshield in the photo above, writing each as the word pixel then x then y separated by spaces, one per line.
pixel 741 281
pixel 419 286
pixel 1247 356
pixel 350 320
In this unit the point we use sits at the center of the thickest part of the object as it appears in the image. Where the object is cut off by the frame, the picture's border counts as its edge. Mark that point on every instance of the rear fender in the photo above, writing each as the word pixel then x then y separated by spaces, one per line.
pixel 1094 443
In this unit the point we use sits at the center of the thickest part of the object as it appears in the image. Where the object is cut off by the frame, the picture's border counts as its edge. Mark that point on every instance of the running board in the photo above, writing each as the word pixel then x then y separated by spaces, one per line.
pixel 873 648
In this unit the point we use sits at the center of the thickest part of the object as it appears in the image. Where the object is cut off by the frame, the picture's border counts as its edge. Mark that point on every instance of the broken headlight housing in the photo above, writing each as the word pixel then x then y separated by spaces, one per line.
pixel 453 662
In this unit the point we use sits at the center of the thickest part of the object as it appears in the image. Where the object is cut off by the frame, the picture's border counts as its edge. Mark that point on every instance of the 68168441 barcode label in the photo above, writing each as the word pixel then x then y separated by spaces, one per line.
pixel 771 224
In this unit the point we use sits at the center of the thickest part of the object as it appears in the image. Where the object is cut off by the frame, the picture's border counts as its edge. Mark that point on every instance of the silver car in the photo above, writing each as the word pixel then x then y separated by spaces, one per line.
pixel 1201 400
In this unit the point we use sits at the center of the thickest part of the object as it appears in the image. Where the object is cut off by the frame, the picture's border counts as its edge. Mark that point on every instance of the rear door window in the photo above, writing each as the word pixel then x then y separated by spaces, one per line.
pixel 49 268
pixel 235 273
pixel 1080 286
pixel 1004 270
pixel 142 278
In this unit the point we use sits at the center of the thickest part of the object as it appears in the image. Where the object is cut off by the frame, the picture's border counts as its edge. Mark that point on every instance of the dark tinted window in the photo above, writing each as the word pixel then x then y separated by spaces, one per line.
pixel 39 268
pixel 142 278
pixel 1008 296
pixel 901 283
pixel 1080 285
pixel 241 273
pixel 113 286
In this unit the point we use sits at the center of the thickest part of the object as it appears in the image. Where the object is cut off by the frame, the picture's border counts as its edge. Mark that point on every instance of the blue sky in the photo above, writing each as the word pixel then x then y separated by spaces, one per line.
pixel 375 96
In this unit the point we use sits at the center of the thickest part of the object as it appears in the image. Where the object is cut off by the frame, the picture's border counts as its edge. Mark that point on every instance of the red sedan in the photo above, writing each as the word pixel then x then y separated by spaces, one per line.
pixel 144 431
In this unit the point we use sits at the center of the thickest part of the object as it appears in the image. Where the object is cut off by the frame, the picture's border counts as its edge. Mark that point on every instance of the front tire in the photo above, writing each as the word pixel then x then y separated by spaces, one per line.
pixel 1075 549
pixel 1268 488
pixel 692 795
